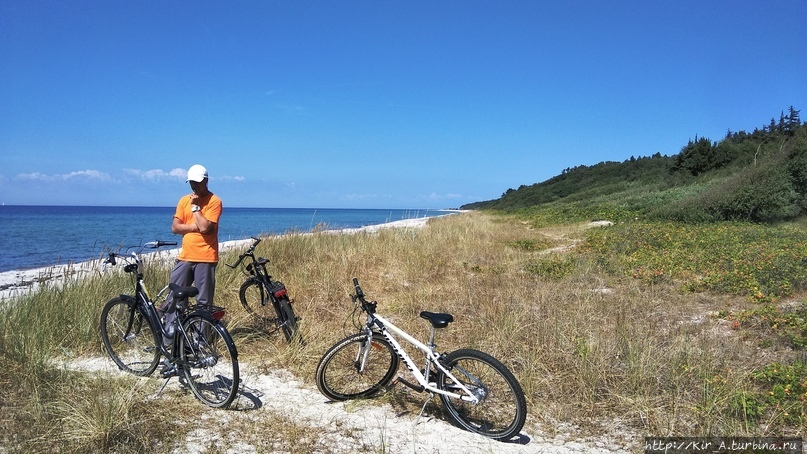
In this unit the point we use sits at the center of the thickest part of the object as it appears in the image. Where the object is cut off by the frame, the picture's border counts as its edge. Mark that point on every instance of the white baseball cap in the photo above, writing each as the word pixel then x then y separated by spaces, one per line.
pixel 196 173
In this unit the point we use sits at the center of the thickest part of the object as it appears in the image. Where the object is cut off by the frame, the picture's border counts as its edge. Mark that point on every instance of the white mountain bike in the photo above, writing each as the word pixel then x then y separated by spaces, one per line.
pixel 479 393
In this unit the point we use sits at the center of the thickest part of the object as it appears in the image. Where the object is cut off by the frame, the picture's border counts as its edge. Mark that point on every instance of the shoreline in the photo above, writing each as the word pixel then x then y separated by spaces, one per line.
pixel 18 282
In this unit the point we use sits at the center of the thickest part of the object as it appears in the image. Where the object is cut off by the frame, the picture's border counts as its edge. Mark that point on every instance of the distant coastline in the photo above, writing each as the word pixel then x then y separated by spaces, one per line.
pixel 16 282
pixel 35 236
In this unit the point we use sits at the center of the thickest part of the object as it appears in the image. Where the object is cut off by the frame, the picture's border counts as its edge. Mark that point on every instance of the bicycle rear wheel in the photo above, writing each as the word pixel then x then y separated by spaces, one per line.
pixel 338 375
pixel 128 337
pixel 209 361
pixel 288 321
pixel 502 409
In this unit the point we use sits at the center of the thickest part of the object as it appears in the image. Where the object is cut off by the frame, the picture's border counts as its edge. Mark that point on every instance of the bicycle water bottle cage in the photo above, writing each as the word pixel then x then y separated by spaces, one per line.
pixel 437 320
pixel 183 293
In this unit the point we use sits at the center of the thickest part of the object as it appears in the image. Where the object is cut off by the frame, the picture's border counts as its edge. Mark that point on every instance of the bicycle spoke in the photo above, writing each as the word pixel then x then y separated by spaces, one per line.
pixel 209 361
pixel 128 338
pixel 500 410
pixel 340 375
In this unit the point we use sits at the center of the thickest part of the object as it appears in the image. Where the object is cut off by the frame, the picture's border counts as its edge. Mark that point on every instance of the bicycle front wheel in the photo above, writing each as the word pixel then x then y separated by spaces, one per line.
pixel 209 361
pixel 288 321
pixel 128 337
pixel 502 408
pixel 356 367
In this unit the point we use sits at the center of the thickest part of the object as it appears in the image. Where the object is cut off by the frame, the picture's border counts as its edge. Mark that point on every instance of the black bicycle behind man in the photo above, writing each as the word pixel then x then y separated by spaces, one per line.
pixel 263 298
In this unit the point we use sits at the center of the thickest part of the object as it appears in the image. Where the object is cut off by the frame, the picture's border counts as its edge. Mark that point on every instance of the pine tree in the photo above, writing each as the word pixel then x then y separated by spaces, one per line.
pixel 793 117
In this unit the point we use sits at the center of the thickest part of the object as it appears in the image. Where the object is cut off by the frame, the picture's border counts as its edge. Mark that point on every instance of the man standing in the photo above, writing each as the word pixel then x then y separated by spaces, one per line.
pixel 197 220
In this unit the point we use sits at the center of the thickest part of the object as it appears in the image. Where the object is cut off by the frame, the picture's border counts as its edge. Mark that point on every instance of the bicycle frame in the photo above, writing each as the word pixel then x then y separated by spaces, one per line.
pixel 386 328
pixel 145 300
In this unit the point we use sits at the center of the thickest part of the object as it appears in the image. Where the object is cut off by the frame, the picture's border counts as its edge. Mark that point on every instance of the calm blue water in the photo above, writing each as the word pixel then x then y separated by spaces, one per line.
pixel 37 236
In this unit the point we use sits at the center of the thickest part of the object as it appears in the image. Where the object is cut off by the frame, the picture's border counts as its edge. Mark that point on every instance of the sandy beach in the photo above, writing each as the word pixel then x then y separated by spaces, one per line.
pixel 17 282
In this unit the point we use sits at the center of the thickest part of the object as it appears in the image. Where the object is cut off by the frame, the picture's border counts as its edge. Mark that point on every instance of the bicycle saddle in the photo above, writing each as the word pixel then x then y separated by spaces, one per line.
pixel 183 293
pixel 438 320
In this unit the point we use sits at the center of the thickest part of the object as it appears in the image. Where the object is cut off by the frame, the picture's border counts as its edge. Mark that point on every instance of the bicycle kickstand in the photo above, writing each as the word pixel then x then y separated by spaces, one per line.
pixel 423 408
pixel 162 388
pixel 168 373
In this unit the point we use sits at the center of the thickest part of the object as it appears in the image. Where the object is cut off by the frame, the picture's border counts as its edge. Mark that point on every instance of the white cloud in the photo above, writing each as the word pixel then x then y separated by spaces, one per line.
pixel 158 174
pixel 179 173
pixel 229 178
pixel 80 174
pixel 32 176
pixel 174 174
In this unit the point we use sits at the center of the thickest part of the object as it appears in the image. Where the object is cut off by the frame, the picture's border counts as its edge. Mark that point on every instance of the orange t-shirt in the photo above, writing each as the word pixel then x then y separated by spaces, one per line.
pixel 198 247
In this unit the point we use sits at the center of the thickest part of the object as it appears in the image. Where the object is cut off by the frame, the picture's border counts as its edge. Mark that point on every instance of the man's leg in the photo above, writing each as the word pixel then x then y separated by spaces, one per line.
pixel 181 275
pixel 205 280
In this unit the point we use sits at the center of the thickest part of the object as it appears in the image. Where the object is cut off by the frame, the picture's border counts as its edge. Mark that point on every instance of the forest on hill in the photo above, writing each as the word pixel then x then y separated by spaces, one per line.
pixel 758 176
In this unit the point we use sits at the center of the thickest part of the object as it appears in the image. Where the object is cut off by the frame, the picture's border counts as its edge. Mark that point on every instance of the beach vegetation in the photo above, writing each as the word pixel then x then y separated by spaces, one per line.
pixel 659 352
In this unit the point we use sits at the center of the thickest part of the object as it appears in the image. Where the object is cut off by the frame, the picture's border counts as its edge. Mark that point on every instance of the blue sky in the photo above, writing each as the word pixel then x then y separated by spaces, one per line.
pixel 372 104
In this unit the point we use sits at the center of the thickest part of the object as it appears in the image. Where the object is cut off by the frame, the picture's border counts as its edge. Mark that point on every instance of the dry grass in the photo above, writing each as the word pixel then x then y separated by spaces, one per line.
pixel 589 349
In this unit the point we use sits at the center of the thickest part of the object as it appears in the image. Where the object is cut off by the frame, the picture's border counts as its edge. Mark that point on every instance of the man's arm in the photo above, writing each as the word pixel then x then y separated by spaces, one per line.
pixel 200 225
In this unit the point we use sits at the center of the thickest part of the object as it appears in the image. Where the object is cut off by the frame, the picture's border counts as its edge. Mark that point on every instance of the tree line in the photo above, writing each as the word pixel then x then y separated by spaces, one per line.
pixel 753 176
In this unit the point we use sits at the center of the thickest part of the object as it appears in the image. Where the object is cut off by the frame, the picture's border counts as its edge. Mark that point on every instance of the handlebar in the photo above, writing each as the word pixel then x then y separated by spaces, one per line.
pixel 248 253
pixel 367 306
pixel 150 245
pixel 359 292
pixel 158 244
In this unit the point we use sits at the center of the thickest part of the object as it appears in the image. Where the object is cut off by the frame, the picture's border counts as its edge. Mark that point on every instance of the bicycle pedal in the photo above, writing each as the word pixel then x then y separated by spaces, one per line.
pixel 169 370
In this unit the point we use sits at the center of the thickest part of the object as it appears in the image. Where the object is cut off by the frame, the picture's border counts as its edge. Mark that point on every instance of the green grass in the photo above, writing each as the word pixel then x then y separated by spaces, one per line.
pixel 763 263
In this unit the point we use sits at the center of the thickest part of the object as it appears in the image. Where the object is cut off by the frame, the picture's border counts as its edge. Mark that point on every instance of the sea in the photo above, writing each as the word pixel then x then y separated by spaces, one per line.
pixel 41 236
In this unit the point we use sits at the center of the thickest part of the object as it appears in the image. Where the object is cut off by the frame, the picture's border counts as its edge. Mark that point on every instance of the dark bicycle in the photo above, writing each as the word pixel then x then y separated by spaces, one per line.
pixel 266 300
pixel 198 347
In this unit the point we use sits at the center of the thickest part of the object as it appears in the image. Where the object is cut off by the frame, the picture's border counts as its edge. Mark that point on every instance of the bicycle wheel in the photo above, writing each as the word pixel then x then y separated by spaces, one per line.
pixel 209 361
pixel 255 300
pixel 288 321
pixel 128 337
pixel 502 409
pixel 338 375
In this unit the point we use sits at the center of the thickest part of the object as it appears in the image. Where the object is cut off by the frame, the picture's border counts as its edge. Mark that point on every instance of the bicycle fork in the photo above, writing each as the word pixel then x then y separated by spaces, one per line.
pixel 363 353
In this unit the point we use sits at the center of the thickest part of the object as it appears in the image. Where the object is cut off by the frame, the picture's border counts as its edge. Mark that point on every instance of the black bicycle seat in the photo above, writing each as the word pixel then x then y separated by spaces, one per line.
pixel 183 293
pixel 438 320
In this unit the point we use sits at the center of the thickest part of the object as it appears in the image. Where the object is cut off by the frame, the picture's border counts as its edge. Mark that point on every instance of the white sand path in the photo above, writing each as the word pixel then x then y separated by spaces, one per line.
pixel 344 427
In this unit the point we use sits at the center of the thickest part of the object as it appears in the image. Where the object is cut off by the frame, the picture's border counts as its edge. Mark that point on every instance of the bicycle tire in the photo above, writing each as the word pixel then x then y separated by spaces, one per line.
pixel 288 321
pixel 337 375
pixel 501 413
pixel 209 360
pixel 129 338
pixel 255 300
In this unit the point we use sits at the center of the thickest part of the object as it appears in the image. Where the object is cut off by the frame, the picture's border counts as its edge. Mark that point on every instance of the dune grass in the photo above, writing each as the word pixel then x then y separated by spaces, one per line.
pixel 592 346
